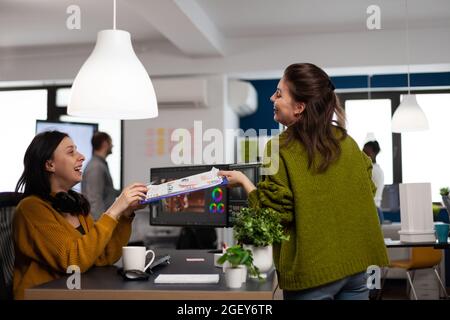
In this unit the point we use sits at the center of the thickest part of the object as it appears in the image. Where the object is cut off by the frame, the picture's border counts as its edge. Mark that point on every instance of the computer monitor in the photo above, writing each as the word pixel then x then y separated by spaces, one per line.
pixel 209 207
pixel 80 133
pixel 390 201
pixel 238 197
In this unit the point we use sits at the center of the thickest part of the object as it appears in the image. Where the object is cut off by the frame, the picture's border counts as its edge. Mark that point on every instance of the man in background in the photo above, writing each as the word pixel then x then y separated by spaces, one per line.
pixel 97 184
pixel 372 148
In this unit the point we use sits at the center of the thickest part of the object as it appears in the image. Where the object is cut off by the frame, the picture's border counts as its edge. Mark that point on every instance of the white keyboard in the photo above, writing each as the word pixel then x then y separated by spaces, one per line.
pixel 187 278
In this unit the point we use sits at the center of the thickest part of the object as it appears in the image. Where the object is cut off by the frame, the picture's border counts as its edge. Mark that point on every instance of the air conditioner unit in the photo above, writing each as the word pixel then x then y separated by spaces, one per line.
pixel 242 97
pixel 181 92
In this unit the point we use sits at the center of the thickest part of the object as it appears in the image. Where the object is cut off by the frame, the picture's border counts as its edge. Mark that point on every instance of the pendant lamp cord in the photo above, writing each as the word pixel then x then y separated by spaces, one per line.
pixel 407 45
pixel 114 14
pixel 369 93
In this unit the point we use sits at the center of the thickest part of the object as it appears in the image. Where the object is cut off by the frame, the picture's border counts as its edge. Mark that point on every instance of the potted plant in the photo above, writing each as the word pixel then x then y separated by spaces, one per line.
pixel 436 211
pixel 445 198
pixel 258 229
pixel 239 260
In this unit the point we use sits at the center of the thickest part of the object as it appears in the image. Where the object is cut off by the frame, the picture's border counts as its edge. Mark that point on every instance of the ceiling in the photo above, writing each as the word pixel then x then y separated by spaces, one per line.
pixel 203 27
pixel 293 17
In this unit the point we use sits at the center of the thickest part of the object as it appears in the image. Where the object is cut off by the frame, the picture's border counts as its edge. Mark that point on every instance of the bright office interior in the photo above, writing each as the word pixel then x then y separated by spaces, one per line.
pixel 224 40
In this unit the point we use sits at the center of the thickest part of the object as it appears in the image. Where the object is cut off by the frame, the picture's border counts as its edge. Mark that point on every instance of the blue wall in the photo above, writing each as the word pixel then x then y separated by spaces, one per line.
pixel 263 117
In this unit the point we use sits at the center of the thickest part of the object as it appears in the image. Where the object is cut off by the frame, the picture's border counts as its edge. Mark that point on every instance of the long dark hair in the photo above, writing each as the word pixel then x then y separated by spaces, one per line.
pixel 35 179
pixel 316 128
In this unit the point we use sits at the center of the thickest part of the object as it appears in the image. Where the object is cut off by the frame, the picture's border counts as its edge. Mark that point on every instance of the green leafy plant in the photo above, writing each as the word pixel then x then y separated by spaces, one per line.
pixel 236 256
pixel 259 227
pixel 445 199
pixel 436 210
pixel 444 191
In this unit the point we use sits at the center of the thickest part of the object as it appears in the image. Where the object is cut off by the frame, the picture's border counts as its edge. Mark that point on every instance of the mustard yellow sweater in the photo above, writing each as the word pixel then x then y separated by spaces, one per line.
pixel 46 243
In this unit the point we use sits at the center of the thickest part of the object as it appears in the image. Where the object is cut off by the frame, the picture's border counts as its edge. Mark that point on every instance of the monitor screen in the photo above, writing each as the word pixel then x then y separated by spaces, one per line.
pixel 80 133
pixel 251 170
pixel 206 207
pixel 390 201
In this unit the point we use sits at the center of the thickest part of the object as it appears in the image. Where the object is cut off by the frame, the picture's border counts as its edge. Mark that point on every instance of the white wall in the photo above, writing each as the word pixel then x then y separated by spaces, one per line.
pixel 381 51
pixel 142 136
pixel 137 139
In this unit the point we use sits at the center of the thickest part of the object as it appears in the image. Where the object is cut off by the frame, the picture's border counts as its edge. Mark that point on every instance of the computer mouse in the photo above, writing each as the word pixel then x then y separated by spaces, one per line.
pixel 136 275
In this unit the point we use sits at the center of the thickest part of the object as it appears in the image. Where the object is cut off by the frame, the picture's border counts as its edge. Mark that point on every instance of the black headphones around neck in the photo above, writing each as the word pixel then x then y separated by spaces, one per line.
pixel 71 202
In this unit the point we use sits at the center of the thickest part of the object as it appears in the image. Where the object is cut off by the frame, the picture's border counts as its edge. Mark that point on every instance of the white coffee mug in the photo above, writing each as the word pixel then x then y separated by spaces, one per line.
pixel 133 258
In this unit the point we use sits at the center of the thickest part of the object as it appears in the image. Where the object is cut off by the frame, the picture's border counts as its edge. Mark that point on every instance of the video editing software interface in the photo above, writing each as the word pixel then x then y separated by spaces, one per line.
pixel 208 207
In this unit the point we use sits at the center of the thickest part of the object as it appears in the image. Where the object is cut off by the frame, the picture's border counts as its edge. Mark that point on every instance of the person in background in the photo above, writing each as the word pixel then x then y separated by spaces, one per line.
pixel 372 148
pixel 97 184
pixel 322 191
pixel 52 226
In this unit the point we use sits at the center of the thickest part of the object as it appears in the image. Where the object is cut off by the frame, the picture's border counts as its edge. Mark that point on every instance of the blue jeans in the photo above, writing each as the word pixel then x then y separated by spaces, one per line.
pixel 350 288
pixel 380 215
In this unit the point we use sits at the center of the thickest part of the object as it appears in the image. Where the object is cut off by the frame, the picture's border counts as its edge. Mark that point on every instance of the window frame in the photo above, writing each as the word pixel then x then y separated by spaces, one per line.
pixel 54 112
pixel 394 96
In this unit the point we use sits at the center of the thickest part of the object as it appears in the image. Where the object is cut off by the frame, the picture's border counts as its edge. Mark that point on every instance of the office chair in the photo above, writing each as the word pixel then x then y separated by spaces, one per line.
pixel 421 258
pixel 8 203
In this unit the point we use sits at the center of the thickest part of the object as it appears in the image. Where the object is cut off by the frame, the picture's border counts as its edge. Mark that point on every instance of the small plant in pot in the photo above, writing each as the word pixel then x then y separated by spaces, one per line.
pixel 258 229
pixel 238 258
pixel 445 198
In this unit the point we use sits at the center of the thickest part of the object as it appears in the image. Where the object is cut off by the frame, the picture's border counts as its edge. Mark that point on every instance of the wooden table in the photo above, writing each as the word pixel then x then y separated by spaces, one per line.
pixel 105 283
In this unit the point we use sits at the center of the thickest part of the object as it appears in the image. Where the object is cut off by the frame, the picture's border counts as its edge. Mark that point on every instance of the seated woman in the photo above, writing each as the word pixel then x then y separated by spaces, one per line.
pixel 52 225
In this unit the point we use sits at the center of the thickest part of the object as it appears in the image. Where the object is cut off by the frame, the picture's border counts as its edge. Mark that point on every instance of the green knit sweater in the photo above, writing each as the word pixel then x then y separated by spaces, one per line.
pixel 330 217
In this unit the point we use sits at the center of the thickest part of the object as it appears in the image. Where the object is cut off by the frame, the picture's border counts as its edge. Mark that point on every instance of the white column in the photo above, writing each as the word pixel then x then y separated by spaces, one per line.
pixel 416 213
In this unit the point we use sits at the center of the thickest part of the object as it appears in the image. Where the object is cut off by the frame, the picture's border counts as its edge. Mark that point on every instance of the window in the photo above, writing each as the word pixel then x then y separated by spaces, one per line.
pixel 368 119
pixel 19 111
pixel 426 154
pixel 62 97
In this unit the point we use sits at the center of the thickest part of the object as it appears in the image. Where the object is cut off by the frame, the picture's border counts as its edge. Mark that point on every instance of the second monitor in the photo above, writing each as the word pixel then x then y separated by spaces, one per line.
pixel 209 207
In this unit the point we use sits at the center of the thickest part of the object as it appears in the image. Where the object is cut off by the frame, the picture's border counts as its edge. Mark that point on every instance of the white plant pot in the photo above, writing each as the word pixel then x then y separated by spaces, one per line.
pixel 233 277
pixel 243 273
pixel 262 257
pixel 225 266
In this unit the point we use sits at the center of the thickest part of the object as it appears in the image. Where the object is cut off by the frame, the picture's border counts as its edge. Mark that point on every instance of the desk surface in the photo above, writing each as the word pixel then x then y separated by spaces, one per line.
pixel 399 244
pixel 106 283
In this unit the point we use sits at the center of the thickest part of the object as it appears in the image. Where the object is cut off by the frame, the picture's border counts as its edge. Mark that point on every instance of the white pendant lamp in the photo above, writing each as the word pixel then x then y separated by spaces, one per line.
pixel 113 83
pixel 409 116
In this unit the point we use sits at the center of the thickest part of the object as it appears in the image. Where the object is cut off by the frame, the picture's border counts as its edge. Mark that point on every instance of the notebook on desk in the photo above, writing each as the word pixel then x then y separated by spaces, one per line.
pixel 187 278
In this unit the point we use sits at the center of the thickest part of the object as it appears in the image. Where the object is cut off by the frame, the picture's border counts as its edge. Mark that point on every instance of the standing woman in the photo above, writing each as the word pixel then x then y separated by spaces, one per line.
pixel 52 226
pixel 323 192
